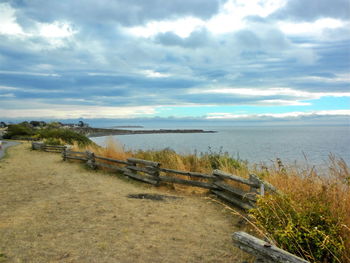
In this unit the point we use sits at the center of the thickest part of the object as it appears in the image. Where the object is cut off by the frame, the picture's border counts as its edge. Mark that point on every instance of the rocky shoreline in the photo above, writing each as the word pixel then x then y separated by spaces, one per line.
pixel 99 132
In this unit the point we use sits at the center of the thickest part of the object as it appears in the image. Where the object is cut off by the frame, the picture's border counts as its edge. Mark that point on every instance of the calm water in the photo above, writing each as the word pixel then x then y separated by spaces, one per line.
pixel 255 144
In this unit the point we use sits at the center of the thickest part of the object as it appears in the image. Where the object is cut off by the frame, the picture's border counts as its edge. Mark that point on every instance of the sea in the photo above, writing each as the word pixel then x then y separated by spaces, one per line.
pixel 304 145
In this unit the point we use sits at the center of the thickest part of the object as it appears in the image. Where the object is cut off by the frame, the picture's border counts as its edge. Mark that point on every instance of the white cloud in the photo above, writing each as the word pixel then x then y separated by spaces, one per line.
pixel 230 18
pixel 43 110
pixel 7 95
pixel 8 88
pixel 225 115
pixel 339 78
pixel 154 74
pixel 8 24
pixel 233 14
pixel 8 72
pixel 183 27
pixel 55 30
pixel 54 33
pixel 262 92
pixel 315 28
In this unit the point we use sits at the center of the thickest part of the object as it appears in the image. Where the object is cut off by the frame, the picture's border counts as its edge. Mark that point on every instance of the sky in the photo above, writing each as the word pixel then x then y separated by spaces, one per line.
pixel 232 60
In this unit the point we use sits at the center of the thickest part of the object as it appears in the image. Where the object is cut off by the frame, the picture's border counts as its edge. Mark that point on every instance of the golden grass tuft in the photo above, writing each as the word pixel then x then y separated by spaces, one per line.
pixel 311 217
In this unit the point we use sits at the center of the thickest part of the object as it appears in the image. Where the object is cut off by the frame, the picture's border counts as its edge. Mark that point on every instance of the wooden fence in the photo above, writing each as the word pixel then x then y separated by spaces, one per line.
pixel 264 252
pixel 48 148
pixel 218 182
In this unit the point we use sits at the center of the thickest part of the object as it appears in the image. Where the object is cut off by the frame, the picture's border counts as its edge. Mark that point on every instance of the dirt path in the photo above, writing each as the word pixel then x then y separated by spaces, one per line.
pixel 4 145
pixel 55 211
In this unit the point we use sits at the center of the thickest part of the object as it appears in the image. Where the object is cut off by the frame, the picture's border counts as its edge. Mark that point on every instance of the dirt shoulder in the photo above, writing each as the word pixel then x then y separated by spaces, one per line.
pixel 5 145
pixel 55 211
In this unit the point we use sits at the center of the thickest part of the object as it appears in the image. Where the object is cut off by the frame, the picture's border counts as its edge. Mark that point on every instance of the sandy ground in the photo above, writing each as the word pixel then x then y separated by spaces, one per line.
pixel 55 211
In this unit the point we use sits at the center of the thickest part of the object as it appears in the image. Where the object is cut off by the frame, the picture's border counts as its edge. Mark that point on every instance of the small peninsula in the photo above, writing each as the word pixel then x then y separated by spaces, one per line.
pixel 98 132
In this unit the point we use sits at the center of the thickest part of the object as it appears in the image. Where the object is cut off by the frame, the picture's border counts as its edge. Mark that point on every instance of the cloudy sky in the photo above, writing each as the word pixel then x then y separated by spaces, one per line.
pixel 204 59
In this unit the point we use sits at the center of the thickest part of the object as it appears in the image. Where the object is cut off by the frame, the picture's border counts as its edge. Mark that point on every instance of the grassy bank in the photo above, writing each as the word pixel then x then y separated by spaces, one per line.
pixel 310 216
pixel 50 134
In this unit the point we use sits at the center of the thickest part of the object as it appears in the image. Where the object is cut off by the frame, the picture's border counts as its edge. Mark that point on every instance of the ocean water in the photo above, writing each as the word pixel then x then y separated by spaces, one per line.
pixel 301 144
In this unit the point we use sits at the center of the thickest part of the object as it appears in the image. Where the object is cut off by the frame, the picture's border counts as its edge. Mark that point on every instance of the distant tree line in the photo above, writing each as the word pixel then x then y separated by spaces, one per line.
pixel 53 132
pixel 41 124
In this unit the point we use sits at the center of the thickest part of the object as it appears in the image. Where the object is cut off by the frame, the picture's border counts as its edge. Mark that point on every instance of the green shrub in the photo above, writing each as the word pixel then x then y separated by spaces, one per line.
pixel 306 229
pixel 53 141
pixel 18 130
pixel 67 136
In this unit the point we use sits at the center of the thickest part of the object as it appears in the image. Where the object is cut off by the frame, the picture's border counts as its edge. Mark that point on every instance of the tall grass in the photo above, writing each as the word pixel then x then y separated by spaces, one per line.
pixel 310 216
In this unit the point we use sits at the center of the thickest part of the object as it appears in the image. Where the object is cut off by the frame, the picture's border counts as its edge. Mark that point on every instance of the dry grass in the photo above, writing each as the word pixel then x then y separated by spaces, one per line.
pixel 55 211
pixel 324 198
pixel 310 193
pixel 202 163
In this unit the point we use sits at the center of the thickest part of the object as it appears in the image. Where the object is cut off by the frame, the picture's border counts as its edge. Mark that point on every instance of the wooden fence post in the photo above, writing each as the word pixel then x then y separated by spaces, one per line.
pixel 38 145
pixel 156 173
pixel 91 162
pixel 217 178
pixel 64 154
pixel 255 180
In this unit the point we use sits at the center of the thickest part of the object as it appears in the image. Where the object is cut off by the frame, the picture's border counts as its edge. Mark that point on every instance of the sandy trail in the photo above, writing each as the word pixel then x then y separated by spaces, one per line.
pixel 55 211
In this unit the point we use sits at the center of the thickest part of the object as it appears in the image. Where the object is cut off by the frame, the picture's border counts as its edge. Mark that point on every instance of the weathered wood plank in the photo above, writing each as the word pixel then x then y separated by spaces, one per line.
pixel 53 151
pixel 187 182
pixel 234 178
pixel 37 145
pixel 264 250
pixel 236 191
pixel 193 174
pixel 141 178
pixel 76 158
pixel 112 167
pixel 110 159
pixel 55 146
pixel 142 169
pixel 233 200
pixel 145 162
pixel 72 152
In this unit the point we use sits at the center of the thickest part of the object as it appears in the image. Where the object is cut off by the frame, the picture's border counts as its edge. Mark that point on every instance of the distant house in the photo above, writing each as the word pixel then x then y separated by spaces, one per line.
pixel 83 124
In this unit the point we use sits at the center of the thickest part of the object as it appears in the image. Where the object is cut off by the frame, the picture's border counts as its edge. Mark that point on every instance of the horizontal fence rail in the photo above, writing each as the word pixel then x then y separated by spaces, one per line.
pixel 48 148
pixel 236 190
pixel 264 252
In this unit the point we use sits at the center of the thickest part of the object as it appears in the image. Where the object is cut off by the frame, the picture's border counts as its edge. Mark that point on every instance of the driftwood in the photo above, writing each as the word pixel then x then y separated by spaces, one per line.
pixel 264 251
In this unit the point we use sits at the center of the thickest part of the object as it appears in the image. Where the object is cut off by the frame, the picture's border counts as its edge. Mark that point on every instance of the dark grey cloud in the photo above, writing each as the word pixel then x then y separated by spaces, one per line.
pixel 310 10
pixel 131 12
pixel 198 38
